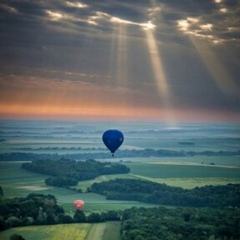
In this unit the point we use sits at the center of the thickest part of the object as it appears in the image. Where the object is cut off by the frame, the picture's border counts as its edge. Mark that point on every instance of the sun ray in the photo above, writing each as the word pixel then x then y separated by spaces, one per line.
pixel 202 38
pixel 118 55
pixel 217 70
pixel 157 65
pixel 160 76
pixel 118 58
pixel 122 56
pixel 158 70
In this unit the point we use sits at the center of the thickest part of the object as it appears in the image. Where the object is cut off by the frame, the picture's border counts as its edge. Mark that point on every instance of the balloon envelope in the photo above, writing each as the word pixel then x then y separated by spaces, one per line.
pixel 78 204
pixel 113 139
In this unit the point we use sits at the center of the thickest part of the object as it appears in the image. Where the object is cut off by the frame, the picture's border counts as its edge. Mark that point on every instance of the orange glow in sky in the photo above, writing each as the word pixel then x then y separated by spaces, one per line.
pixel 99 112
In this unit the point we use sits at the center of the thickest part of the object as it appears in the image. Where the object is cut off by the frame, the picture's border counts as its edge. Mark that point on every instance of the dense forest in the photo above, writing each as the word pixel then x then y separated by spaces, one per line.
pixel 27 156
pixel 151 192
pixel 180 224
pixel 67 172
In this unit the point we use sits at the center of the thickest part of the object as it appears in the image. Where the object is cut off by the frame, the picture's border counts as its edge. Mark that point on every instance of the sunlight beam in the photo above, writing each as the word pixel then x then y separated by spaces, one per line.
pixel 118 60
pixel 121 73
pixel 157 64
pixel 118 54
pixel 159 74
pixel 218 72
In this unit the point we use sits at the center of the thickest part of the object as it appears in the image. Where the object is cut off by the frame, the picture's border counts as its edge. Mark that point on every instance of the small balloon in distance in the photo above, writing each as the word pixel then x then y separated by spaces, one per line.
pixel 78 204
pixel 112 139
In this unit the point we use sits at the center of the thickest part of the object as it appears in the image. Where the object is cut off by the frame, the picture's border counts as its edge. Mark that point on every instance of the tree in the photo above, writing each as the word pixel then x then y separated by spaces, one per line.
pixel 110 216
pixel 79 217
pixel 1 192
pixel 16 237
pixel 94 218
pixel 139 237
pixel 50 219
pixel 66 219
pixel 3 225
pixel 13 221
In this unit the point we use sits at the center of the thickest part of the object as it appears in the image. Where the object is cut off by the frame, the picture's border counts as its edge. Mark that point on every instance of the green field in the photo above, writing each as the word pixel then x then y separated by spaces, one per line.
pixel 182 170
pixel 84 137
pixel 83 185
pixel 49 232
pixel 83 231
pixel 19 182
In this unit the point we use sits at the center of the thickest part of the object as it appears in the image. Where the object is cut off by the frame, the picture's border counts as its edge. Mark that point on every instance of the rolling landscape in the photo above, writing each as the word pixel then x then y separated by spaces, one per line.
pixel 184 157
pixel 119 120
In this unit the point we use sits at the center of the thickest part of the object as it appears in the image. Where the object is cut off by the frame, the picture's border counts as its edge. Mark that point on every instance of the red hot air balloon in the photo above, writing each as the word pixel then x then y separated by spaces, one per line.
pixel 78 204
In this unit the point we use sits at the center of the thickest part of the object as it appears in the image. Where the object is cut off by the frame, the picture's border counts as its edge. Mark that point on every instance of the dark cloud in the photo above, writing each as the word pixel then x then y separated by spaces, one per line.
pixel 80 41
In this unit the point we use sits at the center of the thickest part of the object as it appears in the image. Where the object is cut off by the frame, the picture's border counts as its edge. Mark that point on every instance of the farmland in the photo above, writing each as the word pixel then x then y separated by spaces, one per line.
pixel 19 182
pixel 64 139
pixel 52 232
pixel 83 231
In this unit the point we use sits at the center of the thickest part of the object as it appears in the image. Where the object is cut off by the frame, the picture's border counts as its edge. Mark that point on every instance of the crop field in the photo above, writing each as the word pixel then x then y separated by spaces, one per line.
pixel 77 231
pixel 49 232
pixel 227 161
pixel 104 231
pixel 83 185
pixel 17 182
pixel 189 183
pixel 172 170
pixel 112 231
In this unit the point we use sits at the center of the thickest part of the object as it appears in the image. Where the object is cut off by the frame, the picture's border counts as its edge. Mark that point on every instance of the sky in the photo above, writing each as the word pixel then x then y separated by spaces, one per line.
pixel 133 60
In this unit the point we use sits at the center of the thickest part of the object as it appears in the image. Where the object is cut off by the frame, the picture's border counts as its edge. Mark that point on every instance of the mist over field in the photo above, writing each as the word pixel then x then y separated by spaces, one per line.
pixel 154 151
pixel 77 136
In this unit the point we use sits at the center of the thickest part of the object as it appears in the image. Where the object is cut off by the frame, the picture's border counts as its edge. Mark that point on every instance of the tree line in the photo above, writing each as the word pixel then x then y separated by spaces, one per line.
pixel 67 172
pixel 156 193
pixel 26 156
pixel 39 209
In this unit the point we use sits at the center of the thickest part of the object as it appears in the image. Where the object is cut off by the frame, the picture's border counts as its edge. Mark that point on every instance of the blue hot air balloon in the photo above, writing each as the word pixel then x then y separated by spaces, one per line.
pixel 113 139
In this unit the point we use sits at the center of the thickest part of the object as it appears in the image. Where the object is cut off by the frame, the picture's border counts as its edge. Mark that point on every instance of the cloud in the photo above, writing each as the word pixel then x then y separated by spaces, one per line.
pixel 102 45
pixel 97 16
